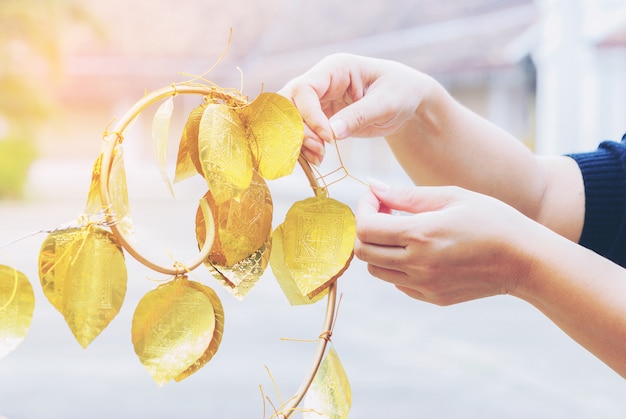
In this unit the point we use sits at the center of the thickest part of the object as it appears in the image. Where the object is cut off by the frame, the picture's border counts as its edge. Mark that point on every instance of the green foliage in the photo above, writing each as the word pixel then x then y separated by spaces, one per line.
pixel 30 64
pixel 16 157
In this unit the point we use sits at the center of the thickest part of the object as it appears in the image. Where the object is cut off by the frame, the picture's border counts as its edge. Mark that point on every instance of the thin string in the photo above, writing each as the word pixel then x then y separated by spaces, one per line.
pixel 219 60
pixel 81 221
pixel 118 135
pixel 326 334
pixel 344 166
pixel 278 412
pixel 323 178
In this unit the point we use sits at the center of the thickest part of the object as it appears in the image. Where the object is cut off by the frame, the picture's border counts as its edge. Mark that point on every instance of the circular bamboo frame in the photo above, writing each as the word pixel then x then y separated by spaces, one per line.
pixel 114 138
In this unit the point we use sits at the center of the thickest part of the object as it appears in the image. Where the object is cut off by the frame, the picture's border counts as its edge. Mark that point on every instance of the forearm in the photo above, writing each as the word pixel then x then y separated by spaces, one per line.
pixel 448 144
pixel 581 292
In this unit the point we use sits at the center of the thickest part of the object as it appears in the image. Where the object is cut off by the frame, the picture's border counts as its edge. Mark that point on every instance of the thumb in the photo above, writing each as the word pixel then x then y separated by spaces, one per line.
pixel 357 117
pixel 412 199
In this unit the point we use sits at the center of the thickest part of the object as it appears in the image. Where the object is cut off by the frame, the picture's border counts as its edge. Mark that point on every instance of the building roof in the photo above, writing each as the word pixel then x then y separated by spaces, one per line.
pixel 148 43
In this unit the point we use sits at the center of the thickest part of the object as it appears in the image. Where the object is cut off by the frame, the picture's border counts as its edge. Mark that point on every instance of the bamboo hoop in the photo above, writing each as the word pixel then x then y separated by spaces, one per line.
pixel 114 138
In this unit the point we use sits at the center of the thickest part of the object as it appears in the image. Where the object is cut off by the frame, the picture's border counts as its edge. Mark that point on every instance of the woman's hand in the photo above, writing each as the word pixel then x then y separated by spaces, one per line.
pixel 454 245
pixel 346 95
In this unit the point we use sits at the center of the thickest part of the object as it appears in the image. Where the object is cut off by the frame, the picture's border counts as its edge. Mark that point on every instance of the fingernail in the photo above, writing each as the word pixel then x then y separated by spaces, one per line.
pixel 377 185
pixel 312 158
pixel 340 128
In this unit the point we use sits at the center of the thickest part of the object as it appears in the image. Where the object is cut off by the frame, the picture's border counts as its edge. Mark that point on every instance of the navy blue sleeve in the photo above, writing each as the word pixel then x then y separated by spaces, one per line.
pixel 604 176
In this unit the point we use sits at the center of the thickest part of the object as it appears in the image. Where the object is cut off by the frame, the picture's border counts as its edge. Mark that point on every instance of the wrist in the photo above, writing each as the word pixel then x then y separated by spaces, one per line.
pixel 543 260
pixel 427 119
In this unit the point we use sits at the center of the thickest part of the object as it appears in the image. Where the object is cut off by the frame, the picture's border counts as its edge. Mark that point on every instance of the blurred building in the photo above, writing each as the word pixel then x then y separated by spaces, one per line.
pixel 552 72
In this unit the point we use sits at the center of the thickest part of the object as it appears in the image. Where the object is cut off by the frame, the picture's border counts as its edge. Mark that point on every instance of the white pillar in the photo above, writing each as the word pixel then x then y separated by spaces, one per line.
pixel 566 82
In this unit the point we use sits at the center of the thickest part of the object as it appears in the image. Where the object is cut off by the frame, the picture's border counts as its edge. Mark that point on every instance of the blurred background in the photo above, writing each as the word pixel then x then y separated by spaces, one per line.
pixel 552 72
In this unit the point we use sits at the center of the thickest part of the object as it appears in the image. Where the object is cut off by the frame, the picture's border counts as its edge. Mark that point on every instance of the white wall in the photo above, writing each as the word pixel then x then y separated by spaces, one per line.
pixel 580 87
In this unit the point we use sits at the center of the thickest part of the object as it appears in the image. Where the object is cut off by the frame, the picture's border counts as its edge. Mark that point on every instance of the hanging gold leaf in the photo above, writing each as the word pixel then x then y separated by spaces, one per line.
pixel 318 242
pixel 242 246
pixel 176 329
pixel 160 134
pixel 188 160
pixel 83 275
pixel 275 131
pixel 240 278
pixel 94 203
pixel 243 225
pixel 17 302
pixel 217 333
pixel 224 153
pixel 330 395
pixel 283 274
pixel 118 192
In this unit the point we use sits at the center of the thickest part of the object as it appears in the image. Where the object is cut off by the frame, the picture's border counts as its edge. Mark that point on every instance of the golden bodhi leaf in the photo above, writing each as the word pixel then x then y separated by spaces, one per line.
pixel 218 332
pixel 17 302
pixel 83 275
pixel 224 152
pixel 188 160
pixel 160 134
pixel 177 328
pixel 240 252
pixel 243 225
pixel 283 274
pixel 318 242
pixel 329 396
pixel 275 131
pixel 240 278
pixel 118 192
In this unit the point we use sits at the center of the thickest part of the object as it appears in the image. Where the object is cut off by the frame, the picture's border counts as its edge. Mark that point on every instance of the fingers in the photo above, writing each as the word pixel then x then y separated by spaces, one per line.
pixel 387 257
pixel 366 116
pixel 375 224
pixel 313 148
pixel 414 199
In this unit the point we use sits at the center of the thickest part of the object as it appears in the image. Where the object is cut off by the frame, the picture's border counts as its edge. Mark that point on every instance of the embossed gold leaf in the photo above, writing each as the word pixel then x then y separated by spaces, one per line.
pixel 176 329
pixel 240 278
pixel 275 131
pixel 224 152
pixel 94 203
pixel 83 275
pixel 118 192
pixel 318 242
pixel 160 136
pixel 241 248
pixel 188 160
pixel 243 225
pixel 218 332
pixel 17 302
pixel 330 395
pixel 283 274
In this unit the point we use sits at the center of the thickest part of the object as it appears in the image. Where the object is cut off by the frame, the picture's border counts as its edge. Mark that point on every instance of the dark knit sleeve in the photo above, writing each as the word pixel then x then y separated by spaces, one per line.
pixel 604 176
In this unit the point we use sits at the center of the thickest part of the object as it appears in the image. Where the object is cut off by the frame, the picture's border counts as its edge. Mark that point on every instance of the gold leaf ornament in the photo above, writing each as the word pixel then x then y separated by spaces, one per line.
pixel 318 242
pixel 224 153
pixel 265 134
pixel 243 225
pixel 118 191
pixel 177 328
pixel 188 160
pixel 83 275
pixel 17 302
pixel 241 249
pixel 283 274
pixel 275 131
pixel 330 395
pixel 160 134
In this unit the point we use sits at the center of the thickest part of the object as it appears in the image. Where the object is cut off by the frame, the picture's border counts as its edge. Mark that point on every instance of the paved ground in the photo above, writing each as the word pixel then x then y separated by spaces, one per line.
pixel 494 358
